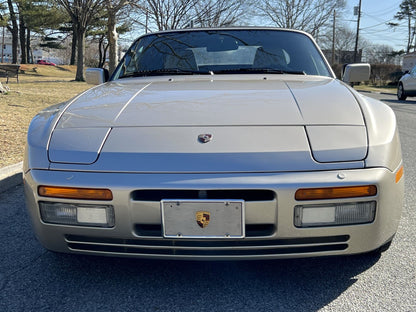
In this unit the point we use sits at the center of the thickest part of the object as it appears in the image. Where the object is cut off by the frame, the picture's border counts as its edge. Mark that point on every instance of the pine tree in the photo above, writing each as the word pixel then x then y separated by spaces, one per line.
pixel 408 12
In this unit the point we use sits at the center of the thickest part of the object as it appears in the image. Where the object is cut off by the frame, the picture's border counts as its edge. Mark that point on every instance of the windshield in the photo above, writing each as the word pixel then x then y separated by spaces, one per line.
pixel 222 51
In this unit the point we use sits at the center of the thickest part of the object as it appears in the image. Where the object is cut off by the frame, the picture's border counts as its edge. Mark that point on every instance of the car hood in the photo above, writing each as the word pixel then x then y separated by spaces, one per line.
pixel 269 123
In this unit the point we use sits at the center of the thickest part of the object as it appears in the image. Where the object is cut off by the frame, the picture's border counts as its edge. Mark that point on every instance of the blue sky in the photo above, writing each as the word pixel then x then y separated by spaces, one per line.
pixel 375 15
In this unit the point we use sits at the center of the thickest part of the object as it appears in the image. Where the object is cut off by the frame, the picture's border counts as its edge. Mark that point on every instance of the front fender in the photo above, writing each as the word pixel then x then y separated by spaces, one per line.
pixel 384 149
pixel 38 135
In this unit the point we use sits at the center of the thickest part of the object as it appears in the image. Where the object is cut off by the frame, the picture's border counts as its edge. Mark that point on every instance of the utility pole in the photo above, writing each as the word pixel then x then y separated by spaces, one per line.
pixel 2 47
pixel 333 41
pixel 358 30
pixel 147 19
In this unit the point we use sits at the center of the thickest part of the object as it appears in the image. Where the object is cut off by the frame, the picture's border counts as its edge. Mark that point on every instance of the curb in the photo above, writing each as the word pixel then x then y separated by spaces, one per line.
pixel 11 176
pixel 377 92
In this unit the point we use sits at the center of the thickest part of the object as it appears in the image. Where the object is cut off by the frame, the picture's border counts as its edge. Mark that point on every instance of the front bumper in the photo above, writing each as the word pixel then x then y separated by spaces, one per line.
pixel 269 220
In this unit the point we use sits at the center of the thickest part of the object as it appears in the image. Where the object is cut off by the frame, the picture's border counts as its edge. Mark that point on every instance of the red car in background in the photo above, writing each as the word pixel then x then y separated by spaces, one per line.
pixel 43 62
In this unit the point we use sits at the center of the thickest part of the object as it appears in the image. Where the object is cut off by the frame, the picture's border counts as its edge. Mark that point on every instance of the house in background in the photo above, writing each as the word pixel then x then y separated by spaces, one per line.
pixel 409 61
pixel 6 53
pixel 6 48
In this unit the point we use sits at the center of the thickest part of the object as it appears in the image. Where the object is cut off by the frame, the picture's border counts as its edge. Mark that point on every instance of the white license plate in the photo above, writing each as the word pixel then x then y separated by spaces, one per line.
pixel 203 218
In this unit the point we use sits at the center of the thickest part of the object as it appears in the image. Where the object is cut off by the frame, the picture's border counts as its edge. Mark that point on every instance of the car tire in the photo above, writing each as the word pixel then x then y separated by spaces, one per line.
pixel 401 94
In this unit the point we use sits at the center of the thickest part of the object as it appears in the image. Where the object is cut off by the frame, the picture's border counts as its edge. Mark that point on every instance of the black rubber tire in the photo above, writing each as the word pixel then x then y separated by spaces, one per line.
pixel 401 94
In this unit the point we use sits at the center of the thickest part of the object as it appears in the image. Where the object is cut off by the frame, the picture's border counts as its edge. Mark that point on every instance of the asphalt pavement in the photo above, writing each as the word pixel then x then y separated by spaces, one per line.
pixel 10 176
pixel 33 279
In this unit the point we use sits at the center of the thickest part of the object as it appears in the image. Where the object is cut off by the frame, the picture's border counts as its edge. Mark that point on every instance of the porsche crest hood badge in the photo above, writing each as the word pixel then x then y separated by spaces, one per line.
pixel 202 218
pixel 205 138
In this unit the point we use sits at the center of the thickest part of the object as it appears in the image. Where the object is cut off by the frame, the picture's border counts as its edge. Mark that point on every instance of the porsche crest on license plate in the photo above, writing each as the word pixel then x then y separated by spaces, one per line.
pixel 203 218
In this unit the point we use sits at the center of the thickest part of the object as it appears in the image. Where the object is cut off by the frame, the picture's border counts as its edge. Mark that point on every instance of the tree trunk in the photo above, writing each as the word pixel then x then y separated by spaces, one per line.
pixel 409 30
pixel 100 52
pixel 105 52
pixel 112 42
pixel 29 47
pixel 73 46
pixel 413 37
pixel 14 30
pixel 15 44
pixel 22 36
pixel 80 55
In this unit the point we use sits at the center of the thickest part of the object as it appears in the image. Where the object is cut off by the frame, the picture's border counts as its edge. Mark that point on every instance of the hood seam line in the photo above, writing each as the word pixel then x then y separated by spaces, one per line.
pixel 128 102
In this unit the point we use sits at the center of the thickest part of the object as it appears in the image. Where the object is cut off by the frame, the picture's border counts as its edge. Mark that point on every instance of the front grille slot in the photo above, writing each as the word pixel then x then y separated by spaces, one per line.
pixel 252 230
pixel 246 195
pixel 247 247
pixel 187 252
pixel 152 230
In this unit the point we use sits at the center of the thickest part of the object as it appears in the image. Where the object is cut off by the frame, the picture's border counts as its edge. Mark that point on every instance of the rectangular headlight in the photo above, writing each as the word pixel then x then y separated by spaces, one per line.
pixel 334 214
pixel 77 214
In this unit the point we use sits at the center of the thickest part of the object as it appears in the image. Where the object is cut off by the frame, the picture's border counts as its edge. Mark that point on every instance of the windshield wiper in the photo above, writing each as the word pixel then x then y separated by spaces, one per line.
pixel 164 72
pixel 259 71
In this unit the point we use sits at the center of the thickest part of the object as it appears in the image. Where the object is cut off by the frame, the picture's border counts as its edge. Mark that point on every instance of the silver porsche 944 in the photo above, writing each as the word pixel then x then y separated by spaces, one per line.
pixel 235 143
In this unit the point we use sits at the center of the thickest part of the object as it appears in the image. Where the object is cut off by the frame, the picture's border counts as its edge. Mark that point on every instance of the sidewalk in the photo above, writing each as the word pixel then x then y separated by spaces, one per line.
pixel 10 176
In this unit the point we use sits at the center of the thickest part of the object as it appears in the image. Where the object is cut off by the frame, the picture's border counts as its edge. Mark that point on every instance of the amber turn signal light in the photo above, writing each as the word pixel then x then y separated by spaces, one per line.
pixel 335 192
pixel 399 174
pixel 75 193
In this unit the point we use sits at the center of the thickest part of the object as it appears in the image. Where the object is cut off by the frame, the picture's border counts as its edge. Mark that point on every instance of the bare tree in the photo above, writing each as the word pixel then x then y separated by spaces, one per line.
pixel 381 54
pixel 81 13
pixel 219 13
pixel 113 7
pixel 14 30
pixel 344 42
pixel 166 14
pixel 307 15
pixel 344 39
pixel 173 14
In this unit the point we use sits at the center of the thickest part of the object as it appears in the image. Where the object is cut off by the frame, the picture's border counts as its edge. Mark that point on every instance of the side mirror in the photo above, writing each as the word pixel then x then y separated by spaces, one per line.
pixel 96 76
pixel 356 73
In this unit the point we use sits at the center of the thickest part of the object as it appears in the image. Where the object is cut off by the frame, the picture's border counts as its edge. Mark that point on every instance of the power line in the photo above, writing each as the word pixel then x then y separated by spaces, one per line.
pixel 387 10
pixel 376 25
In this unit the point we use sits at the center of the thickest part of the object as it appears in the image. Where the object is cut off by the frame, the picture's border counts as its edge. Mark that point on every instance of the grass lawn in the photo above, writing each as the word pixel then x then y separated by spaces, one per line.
pixel 385 89
pixel 39 87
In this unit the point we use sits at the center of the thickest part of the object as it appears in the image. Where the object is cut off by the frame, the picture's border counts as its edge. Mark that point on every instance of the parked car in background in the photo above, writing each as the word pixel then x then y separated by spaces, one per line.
pixel 215 144
pixel 43 62
pixel 407 85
